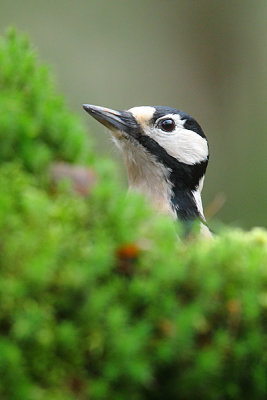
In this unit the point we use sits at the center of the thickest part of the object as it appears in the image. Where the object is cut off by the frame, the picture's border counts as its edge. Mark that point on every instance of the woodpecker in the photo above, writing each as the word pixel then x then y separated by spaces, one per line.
pixel 166 155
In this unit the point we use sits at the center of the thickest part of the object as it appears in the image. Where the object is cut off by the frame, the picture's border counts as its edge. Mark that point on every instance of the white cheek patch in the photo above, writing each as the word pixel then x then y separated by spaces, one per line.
pixel 143 114
pixel 185 145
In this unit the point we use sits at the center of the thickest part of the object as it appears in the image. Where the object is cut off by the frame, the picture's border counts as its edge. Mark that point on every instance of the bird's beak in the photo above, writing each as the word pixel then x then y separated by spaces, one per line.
pixel 122 121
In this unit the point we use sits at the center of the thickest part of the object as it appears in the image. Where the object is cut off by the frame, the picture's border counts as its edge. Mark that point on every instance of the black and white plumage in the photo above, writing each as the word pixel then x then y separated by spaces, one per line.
pixel 166 155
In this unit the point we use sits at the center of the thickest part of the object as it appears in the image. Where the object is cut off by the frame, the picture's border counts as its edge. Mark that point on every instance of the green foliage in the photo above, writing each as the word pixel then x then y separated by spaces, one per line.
pixel 82 316
pixel 35 125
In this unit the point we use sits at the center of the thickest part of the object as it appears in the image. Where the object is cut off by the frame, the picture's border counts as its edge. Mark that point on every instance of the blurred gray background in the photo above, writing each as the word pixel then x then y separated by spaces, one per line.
pixel 206 57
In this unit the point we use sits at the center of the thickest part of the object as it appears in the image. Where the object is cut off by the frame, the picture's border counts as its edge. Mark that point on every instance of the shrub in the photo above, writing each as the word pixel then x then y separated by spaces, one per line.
pixel 99 300
pixel 35 125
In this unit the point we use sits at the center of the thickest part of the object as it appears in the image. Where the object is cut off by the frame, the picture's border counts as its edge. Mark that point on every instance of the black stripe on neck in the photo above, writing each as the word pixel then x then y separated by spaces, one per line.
pixel 183 177
pixel 184 204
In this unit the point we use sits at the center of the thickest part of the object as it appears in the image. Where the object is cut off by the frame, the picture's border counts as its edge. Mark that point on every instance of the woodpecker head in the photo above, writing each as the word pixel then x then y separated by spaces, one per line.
pixel 166 154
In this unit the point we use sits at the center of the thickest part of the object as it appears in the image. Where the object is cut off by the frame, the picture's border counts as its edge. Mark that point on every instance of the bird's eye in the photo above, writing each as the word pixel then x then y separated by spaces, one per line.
pixel 167 125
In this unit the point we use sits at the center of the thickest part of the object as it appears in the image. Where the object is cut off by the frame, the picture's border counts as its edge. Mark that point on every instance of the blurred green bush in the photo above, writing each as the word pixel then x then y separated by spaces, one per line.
pixel 98 298
pixel 35 125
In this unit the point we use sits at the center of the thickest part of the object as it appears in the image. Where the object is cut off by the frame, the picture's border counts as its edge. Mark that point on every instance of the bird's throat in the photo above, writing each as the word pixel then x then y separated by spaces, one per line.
pixel 171 187
pixel 154 181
